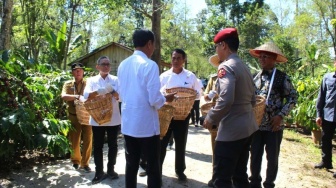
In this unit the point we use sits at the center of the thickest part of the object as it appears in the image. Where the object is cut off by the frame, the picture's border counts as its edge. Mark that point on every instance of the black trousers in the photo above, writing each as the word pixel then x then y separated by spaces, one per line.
pixel 270 141
pixel 230 164
pixel 179 128
pixel 150 148
pixel 328 131
pixel 98 144
pixel 195 111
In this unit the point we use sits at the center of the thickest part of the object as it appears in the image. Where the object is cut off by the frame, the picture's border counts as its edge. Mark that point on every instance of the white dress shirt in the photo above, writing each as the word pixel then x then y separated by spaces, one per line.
pixel 139 91
pixel 186 79
pixel 96 82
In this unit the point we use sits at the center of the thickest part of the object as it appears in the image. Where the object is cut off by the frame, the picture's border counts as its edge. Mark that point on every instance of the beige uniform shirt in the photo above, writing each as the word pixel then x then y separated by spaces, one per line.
pixel 211 86
pixel 70 87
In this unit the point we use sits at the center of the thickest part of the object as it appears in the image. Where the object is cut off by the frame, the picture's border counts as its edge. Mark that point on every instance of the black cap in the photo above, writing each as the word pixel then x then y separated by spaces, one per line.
pixel 75 66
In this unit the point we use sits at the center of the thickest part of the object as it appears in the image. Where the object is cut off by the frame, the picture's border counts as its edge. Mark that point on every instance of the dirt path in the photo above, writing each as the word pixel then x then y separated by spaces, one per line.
pixel 293 173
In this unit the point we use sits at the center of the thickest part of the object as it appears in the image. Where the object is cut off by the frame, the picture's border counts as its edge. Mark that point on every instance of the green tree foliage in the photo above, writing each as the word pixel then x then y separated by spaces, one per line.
pixel 117 26
pixel 325 9
pixel 28 24
pixel 57 50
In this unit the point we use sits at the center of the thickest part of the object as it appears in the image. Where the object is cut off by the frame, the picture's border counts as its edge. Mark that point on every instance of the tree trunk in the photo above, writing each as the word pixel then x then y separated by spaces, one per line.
pixel 75 4
pixel 6 25
pixel 156 28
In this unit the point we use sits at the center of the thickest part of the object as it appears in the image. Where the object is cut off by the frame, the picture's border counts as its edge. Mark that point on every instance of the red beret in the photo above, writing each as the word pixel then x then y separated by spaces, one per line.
pixel 226 33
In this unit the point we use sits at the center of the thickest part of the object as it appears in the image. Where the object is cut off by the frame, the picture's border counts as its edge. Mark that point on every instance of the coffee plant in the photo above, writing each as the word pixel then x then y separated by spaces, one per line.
pixel 305 111
pixel 32 114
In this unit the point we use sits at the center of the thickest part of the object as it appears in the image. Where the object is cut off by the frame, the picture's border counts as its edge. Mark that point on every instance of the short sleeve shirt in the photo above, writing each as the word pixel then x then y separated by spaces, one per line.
pixel 70 87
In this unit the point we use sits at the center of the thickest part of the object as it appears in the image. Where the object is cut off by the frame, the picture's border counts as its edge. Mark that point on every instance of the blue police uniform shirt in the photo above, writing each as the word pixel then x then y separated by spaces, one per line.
pixel 325 104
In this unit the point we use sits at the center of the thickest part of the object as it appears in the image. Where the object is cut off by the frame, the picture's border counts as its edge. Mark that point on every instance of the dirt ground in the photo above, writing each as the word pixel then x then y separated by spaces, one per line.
pixel 198 158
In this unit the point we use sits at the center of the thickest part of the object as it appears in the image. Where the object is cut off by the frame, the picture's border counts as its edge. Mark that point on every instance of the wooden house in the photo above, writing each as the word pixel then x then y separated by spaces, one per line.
pixel 116 53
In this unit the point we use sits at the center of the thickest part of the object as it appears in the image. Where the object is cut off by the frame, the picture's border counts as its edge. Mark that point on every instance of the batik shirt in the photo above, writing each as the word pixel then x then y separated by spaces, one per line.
pixel 282 98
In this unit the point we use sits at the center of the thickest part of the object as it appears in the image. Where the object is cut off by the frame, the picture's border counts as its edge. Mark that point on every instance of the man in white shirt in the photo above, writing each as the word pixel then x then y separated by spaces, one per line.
pixel 99 85
pixel 139 88
pixel 177 76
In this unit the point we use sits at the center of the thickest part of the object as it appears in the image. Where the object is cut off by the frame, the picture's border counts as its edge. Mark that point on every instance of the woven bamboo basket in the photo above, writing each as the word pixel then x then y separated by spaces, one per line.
pixel 204 110
pixel 206 107
pixel 259 108
pixel 166 113
pixel 100 108
pixel 184 101
pixel 82 114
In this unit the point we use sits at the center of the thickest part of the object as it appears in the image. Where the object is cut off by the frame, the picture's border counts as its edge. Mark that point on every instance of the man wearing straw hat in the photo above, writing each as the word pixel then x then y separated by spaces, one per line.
pixel 102 84
pixel 141 98
pixel 72 90
pixel 281 97
pixel 177 76
pixel 233 113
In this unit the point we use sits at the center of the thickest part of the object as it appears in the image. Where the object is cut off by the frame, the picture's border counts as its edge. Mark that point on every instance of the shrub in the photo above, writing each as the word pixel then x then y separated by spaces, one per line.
pixel 33 113
pixel 304 113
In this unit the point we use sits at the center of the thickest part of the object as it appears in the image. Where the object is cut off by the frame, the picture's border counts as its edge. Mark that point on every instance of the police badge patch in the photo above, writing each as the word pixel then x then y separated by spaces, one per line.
pixel 221 73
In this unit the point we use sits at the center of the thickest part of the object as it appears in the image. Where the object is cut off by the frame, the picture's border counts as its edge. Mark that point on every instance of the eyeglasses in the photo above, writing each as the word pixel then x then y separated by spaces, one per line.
pixel 264 56
pixel 105 64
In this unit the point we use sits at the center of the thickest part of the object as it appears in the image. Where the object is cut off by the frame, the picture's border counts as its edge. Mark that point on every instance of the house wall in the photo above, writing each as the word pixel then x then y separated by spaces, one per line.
pixel 114 52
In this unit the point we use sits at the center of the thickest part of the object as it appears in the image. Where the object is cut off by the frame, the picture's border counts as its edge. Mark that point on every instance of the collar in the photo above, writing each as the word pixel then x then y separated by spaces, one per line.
pixel 267 72
pixel 81 82
pixel 184 71
pixel 231 56
pixel 101 78
pixel 140 53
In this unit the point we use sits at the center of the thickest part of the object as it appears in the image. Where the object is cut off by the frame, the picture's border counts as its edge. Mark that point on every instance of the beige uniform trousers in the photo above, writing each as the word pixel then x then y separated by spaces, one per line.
pixel 213 141
pixel 78 133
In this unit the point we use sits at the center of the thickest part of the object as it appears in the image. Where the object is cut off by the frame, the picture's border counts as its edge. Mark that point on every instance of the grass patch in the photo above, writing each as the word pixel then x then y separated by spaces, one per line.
pixel 298 156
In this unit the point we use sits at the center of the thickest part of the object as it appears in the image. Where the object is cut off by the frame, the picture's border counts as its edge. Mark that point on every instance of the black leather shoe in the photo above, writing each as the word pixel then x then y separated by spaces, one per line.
pixel 98 178
pixel 86 169
pixel 323 165
pixel 181 176
pixel 142 173
pixel 210 183
pixel 76 166
pixel 113 175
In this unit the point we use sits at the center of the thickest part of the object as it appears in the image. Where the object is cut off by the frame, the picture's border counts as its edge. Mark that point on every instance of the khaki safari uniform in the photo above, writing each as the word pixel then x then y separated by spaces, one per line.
pixel 78 130
pixel 212 87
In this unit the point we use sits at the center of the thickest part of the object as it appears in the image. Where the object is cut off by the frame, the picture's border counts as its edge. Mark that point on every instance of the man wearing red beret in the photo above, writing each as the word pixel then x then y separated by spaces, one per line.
pixel 233 113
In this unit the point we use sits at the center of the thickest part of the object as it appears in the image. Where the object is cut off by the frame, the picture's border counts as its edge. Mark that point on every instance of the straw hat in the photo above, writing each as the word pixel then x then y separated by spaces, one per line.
pixel 269 47
pixel 214 60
